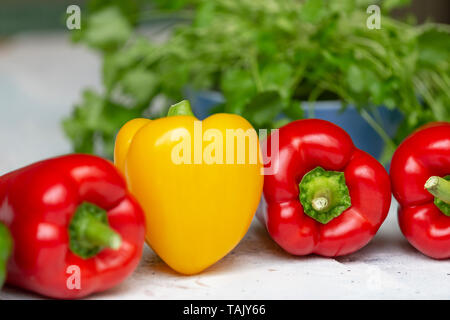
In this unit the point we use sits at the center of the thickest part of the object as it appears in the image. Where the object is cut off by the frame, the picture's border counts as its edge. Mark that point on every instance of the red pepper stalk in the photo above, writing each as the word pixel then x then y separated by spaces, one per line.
pixel 420 172
pixel 440 189
pixel 89 231
pixel 75 227
pixel 5 251
pixel 327 197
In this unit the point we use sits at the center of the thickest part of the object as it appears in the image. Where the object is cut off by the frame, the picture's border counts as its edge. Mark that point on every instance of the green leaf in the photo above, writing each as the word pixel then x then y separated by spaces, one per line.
pixel 205 15
pixel 343 6
pixel 83 122
pixel 173 79
pixel 265 57
pixel 355 78
pixel 389 5
pixel 263 108
pixel 106 29
pixel 96 117
pixel 277 77
pixel 238 87
pixel 114 116
pixel 89 110
pixel 118 63
pixel 294 110
pixel 172 4
pixel 434 47
pixel 313 10
pixel 140 84
pixel 129 9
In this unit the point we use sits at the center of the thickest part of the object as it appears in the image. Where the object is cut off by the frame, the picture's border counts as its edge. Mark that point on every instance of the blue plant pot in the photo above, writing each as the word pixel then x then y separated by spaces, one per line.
pixel 364 137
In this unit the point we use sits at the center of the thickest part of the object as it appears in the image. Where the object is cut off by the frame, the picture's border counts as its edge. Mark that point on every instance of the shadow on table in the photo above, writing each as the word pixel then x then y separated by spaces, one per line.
pixel 382 245
pixel 257 245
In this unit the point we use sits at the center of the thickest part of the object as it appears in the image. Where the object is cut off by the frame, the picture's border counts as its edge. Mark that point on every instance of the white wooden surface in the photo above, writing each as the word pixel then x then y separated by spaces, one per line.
pixel 40 79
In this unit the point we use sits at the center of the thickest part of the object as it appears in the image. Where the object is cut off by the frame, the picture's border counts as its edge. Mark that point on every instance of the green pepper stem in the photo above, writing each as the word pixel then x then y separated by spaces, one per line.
pixel 89 231
pixel 439 187
pixel 98 233
pixel 320 203
pixel 323 194
pixel 182 108
pixel 5 251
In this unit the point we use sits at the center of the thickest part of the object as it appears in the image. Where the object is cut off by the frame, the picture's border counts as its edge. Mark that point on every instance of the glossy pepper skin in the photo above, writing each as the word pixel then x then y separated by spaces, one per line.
pixel 195 213
pixel 303 146
pixel 38 204
pixel 423 154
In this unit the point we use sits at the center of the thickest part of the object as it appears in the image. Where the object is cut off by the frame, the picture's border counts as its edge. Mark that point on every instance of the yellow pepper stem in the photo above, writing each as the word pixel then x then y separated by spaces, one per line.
pixel 182 108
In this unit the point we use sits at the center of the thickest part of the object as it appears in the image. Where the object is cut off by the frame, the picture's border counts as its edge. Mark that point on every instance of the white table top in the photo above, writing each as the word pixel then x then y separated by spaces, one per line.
pixel 40 79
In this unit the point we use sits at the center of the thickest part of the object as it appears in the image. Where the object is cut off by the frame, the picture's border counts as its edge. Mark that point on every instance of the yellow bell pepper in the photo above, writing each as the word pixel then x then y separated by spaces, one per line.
pixel 198 191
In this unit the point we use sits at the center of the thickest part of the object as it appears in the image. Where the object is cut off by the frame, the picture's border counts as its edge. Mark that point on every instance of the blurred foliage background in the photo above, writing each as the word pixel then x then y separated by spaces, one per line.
pixel 266 57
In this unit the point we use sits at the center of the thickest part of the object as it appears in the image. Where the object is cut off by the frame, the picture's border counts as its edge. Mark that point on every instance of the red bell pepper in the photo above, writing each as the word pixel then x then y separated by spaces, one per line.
pixel 326 196
pixel 76 229
pixel 419 171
